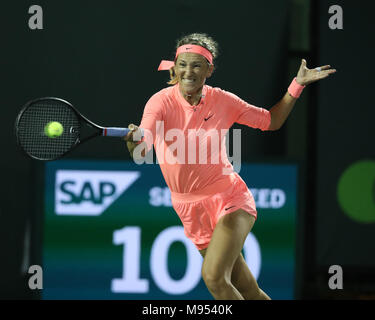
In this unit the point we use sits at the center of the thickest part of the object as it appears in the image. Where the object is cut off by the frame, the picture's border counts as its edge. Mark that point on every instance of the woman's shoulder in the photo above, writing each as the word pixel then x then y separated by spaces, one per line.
pixel 159 100
pixel 164 92
pixel 162 95
pixel 220 93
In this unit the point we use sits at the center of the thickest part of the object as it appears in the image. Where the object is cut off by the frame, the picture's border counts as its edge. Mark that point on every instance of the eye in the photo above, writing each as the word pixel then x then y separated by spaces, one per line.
pixel 197 66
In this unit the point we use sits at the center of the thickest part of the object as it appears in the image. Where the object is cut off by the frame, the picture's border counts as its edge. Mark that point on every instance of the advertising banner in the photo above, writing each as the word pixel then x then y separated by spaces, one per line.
pixel 110 232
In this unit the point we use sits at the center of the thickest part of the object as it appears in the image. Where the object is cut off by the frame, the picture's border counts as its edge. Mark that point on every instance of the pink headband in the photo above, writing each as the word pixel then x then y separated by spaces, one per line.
pixel 166 65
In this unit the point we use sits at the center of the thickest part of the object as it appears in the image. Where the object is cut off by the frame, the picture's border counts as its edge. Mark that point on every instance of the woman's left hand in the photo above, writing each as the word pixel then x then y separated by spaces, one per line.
pixel 306 76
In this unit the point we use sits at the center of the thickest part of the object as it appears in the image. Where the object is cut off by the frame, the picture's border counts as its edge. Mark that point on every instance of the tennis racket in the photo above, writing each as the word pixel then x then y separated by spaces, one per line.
pixel 76 129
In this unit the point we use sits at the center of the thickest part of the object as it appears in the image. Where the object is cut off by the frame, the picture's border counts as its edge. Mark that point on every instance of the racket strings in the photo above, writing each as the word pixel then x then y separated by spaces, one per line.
pixel 32 136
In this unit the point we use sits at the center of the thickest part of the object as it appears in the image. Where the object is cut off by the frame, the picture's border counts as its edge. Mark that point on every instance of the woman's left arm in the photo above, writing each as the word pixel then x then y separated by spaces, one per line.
pixel 280 111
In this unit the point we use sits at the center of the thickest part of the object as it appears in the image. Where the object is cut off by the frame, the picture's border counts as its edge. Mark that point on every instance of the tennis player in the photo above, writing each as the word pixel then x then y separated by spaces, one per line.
pixel 214 204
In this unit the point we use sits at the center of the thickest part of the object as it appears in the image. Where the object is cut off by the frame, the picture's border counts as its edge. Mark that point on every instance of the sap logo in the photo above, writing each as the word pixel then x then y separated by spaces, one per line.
pixel 89 193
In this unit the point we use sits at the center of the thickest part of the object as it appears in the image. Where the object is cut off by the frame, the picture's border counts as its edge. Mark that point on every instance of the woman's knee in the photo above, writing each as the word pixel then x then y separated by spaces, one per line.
pixel 213 277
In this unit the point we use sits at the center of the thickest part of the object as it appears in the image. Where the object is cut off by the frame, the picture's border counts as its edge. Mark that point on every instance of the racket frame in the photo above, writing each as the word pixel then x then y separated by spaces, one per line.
pixel 99 129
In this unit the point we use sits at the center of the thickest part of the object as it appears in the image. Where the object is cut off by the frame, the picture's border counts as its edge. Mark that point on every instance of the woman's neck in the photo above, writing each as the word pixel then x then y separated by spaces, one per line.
pixel 193 98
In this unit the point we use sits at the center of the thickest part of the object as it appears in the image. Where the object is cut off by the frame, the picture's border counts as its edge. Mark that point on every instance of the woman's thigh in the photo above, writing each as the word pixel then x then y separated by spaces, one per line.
pixel 226 243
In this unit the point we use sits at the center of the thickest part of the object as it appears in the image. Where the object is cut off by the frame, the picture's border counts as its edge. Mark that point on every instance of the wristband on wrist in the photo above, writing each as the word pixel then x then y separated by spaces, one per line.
pixel 295 89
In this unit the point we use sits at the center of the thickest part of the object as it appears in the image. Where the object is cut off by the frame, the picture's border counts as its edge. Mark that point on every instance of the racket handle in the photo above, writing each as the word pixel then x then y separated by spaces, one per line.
pixel 116 132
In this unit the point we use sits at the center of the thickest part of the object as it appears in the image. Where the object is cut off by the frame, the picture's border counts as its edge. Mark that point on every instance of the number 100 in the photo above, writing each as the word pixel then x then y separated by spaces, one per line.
pixel 131 282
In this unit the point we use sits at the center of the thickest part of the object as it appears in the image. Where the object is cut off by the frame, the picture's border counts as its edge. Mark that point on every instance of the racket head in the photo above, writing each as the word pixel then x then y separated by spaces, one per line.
pixel 30 128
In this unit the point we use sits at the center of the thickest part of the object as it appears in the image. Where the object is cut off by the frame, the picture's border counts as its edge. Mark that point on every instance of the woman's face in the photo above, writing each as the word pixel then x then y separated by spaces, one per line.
pixel 191 70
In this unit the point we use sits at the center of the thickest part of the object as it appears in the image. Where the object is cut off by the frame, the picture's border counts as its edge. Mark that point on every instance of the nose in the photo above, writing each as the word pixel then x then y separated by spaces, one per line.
pixel 188 71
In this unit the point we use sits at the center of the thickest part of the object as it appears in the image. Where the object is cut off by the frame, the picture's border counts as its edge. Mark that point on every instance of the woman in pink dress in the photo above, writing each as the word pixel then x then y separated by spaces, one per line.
pixel 214 204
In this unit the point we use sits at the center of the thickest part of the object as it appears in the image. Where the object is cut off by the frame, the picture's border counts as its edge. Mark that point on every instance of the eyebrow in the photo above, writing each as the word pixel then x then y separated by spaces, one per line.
pixel 181 60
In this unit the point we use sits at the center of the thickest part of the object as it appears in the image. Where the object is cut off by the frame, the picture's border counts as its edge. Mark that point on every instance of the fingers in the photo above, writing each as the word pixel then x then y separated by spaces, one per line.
pixel 325 74
pixel 326 67
pixel 133 128
pixel 330 71
pixel 319 69
pixel 311 75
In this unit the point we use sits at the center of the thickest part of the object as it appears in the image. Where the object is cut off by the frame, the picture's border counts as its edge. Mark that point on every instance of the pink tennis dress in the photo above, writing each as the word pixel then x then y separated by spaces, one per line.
pixel 189 143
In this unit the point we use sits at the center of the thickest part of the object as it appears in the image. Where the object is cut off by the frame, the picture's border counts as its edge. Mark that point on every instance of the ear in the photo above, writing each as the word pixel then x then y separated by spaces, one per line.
pixel 210 70
pixel 172 72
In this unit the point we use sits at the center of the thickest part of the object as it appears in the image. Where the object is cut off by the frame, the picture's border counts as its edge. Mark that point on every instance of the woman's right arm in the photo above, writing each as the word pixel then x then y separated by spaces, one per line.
pixel 151 115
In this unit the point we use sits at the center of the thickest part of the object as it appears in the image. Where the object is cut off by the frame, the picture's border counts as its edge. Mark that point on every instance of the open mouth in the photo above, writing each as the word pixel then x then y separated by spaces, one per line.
pixel 188 81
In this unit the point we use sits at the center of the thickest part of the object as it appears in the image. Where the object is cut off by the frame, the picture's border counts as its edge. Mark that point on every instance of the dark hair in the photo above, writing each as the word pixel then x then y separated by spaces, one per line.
pixel 200 39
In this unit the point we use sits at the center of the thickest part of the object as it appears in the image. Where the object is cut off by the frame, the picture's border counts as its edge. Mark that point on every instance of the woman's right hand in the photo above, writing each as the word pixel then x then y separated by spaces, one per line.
pixel 129 138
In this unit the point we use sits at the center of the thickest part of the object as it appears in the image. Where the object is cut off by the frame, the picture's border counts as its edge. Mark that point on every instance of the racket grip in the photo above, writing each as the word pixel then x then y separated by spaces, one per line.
pixel 116 132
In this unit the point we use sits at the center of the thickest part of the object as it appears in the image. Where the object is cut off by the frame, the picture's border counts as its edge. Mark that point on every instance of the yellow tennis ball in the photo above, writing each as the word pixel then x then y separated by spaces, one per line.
pixel 53 129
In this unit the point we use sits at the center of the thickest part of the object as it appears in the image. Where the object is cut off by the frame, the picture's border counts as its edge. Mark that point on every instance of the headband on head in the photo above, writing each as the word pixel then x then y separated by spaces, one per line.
pixel 166 65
